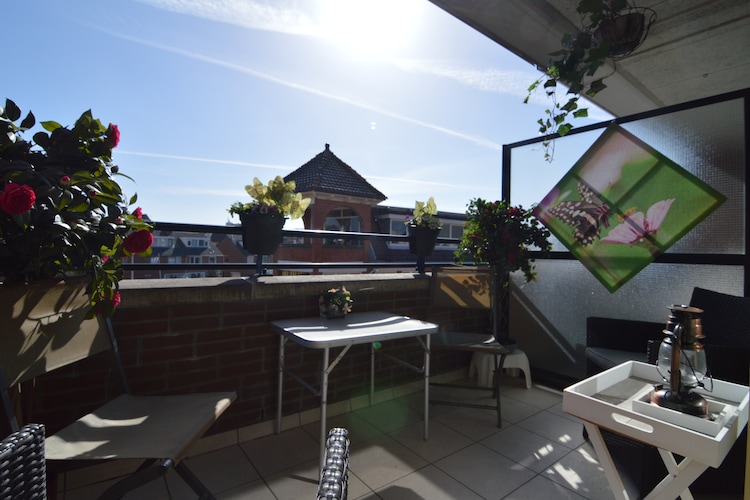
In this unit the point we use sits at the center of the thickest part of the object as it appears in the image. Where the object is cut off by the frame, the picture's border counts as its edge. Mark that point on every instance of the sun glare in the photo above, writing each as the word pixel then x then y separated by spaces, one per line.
pixel 369 27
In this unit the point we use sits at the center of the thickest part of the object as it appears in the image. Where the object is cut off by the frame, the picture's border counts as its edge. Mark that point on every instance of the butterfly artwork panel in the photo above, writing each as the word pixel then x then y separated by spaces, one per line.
pixel 622 205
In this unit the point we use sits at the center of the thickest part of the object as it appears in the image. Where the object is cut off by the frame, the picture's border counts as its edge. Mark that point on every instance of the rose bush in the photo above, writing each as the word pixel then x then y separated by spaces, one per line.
pixel 502 236
pixel 62 212
pixel 17 199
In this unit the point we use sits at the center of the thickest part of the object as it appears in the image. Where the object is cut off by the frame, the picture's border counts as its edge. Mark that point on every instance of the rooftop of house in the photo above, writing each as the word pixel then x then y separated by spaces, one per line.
pixel 327 173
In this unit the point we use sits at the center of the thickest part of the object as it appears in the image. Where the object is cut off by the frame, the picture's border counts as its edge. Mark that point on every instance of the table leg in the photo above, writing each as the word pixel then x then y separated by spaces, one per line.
pixel 282 340
pixel 323 403
pixel 680 477
pixel 372 374
pixel 605 460
pixel 427 388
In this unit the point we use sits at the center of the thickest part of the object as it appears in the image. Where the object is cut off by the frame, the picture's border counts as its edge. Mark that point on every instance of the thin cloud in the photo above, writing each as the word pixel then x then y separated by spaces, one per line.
pixel 515 83
pixel 284 168
pixel 278 16
pixel 480 141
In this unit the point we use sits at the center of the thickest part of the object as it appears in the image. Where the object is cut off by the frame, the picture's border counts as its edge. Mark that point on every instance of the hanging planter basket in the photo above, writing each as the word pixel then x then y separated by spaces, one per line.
pixel 262 232
pixel 422 240
pixel 625 32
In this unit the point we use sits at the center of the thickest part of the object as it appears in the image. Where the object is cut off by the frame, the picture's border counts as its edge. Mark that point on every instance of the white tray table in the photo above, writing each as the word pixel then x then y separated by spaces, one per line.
pixel 613 399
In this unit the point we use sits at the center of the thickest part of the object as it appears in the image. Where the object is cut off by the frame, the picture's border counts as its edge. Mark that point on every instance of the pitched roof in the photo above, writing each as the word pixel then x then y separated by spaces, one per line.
pixel 327 173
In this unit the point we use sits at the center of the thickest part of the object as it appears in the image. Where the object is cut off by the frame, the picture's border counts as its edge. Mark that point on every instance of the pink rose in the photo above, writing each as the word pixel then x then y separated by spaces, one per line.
pixel 115 300
pixel 17 199
pixel 113 134
pixel 138 213
pixel 138 242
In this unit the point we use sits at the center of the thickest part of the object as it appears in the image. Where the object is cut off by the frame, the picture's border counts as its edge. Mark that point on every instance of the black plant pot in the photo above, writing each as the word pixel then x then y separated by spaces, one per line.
pixel 623 33
pixel 262 232
pixel 422 240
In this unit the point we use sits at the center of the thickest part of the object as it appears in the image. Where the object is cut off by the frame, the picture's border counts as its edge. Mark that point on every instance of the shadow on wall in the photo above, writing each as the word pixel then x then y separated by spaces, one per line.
pixel 547 347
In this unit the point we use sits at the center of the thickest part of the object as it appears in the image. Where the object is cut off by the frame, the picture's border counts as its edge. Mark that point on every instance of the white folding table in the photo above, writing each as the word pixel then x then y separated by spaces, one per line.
pixel 353 329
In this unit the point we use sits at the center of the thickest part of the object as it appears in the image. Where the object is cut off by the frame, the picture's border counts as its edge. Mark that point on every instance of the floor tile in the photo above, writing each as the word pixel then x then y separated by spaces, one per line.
pixel 300 481
pixel 484 471
pixel 542 488
pixel 429 482
pixel 442 440
pixel 526 448
pixel 535 396
pixel 218 470
pixel 579 471
pixel 257 490
pixel 383 460
pixel 278 452
pixel 514 411
pixel 359 429
pixel 556 428
pixel 390 415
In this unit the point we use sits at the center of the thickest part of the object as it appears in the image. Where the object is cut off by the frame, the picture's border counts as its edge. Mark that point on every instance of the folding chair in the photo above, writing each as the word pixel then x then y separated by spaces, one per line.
pixel 465 287
pixel 157 429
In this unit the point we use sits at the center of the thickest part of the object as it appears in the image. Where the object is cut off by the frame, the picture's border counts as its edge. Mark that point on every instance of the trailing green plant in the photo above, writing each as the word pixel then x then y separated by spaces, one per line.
pixel 575 65
pixel 62 211
pixel 277 197
pixel 425 215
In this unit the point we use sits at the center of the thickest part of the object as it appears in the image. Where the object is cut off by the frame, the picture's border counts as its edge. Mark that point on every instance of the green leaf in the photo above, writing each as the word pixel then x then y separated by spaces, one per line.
pixel 28 122
pixel 564 129
pixel 596 87
pixel 571 105
pixel 12 111
pixel 50 126
pixel 581 113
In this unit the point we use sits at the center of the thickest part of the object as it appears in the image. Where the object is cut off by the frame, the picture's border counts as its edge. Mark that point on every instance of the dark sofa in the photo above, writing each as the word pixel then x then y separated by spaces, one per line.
pixel 726 324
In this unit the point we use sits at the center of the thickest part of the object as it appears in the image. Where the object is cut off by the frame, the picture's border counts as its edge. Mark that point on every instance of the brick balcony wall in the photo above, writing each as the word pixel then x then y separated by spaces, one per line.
pixel 213 334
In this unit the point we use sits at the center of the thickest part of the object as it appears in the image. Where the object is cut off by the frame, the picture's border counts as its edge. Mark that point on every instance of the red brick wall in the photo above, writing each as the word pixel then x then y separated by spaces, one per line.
pixel 229 346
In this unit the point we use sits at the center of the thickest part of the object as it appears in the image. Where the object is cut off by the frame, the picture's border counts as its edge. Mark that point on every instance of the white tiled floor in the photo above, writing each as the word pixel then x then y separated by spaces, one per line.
pixel 539 453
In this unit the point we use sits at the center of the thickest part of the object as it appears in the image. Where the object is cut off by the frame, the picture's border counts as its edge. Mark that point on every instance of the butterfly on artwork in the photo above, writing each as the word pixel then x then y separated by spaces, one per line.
pixel 586 216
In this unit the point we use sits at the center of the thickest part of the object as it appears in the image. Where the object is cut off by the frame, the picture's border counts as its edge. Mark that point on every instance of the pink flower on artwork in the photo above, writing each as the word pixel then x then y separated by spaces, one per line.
pixel 635 227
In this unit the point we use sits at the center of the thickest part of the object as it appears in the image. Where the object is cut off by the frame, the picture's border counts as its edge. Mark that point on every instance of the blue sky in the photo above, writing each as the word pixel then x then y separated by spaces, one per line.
pixel 211 93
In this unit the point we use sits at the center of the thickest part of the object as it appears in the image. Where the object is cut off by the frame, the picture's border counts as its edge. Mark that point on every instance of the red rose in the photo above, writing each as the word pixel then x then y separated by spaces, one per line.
pixel 113 134
pixel 514 212
pixel 138 242
pixel 138 213
pixel 65 181
pixel 17 199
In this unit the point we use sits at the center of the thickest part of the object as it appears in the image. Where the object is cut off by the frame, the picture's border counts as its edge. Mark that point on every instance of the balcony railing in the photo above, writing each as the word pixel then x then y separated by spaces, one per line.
pixel 288 233
pixel 420 264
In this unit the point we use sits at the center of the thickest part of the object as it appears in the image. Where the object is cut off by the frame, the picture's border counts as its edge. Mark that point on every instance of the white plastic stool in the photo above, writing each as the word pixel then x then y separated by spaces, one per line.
pixel 483 364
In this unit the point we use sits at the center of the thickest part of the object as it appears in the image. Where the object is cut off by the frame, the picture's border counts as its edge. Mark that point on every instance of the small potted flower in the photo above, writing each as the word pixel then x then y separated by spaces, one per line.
pixel 62 212
pixel 263 218
pixel 424 228
pixel 335 303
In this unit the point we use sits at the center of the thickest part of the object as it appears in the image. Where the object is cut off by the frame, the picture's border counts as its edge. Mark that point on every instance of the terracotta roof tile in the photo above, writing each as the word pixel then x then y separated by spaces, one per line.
pixel 328 174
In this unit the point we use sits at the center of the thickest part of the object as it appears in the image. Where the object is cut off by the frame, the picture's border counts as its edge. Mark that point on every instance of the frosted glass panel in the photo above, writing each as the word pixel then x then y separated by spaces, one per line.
pixel 548 317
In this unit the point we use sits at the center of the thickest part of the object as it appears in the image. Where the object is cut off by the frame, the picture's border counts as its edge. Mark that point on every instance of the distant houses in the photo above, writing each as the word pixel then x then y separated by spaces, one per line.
pixel 343 201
